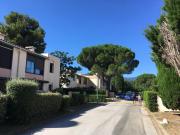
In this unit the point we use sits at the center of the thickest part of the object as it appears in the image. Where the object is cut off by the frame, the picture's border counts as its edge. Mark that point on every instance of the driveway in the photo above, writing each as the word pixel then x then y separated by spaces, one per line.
pixel 119 118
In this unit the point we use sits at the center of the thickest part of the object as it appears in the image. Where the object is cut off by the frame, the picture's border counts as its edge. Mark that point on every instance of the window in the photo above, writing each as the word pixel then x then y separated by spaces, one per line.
pixel 51 67
pixel 37 71
pixel 30 67
pixel 5 57
pixel 34 65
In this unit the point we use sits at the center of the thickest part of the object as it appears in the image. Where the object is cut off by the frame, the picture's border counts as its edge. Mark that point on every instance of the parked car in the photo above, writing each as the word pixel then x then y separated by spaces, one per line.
pixel 120 95
pixel 129 95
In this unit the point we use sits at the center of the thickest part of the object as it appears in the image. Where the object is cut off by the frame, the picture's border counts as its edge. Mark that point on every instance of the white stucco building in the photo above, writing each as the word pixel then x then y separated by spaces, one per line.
pixel 81 80
pixel 18 62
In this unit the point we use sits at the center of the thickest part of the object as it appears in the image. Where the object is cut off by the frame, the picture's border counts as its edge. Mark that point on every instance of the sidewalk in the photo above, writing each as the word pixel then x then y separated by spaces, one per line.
pixel 148 124
pixel 158 127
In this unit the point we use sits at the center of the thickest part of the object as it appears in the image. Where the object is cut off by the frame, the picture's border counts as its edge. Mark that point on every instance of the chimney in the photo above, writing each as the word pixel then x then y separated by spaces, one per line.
pixel 2 36
pixel 31 48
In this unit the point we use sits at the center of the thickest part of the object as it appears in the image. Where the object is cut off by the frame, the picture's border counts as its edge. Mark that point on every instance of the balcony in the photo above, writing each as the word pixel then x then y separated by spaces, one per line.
pixel 5 72
pixel 34 76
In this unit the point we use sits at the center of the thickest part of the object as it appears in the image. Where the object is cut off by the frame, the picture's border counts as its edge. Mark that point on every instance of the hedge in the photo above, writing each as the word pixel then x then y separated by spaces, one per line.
pixel 88 90
pixel 77 99
pixel 24 103
pixel 66 102
pixel 44 104
pixel 93 98
pixel 100 92
pixel 21 88
pixel 21 94
pixel 168 86
pixel 150 99
pixel 3 107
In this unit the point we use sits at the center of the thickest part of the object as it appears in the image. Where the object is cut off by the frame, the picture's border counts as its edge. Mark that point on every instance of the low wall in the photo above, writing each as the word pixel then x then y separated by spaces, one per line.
pixel 161 107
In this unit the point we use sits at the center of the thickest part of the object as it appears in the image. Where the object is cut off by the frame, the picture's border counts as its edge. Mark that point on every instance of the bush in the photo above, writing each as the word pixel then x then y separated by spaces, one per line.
pixel 169 87
pixel 3 107
pixel 66 101
pixel 150 99
pixel 93 98
pixel 44 104
pixel 21 94
pixel 59 90
pixel 77 99
pixel 21 88
pixel 88 90
pixel 100 92
pixel 25 104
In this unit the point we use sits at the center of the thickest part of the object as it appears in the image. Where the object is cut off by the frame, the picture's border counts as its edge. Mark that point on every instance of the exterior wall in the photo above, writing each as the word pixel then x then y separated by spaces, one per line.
pixel 73 83
pixel 5 72
pixel 18 63
pixel 97 82
pixel 2 36
pixel 161 107
pixel 18 68
pixel 33 76
pixel 92 81
pixel 53 78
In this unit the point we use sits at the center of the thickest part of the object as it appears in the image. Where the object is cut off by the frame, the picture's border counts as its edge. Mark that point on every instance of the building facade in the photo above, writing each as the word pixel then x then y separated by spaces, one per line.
pixel 18 62
pixel 82 81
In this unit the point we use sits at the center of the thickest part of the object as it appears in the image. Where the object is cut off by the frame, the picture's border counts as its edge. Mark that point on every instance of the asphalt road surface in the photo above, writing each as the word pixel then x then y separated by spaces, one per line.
pixel 119 118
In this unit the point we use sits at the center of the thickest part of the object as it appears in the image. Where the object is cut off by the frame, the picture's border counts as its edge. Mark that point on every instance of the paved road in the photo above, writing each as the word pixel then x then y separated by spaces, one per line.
pixel 120 118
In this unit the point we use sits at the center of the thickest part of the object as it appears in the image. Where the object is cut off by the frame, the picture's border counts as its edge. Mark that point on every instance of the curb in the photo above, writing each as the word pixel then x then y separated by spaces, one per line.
pixel 159 128
pixel 149 126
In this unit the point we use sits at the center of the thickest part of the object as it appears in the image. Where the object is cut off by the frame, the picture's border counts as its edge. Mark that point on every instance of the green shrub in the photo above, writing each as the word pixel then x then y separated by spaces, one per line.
pixel 25 104
pixel 59 90
pixel 77 99
pixel 21 94
pixel 88 90
pixel 93 98
pixel 169 86
pixel 66 101
pixel 21 88
pixel 150 99
pixel 3 107
pixel 100 92
pixel 44 104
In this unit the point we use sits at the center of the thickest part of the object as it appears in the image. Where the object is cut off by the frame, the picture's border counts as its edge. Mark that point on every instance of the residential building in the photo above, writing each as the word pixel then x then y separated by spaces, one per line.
pixel 18 62
pixel 82 80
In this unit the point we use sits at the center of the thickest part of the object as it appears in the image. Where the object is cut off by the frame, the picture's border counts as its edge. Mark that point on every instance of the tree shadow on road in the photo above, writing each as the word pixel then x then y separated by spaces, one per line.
pixel 65 120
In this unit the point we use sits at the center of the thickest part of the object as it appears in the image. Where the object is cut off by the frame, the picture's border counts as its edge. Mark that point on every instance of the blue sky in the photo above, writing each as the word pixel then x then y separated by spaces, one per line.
pixel 71 25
